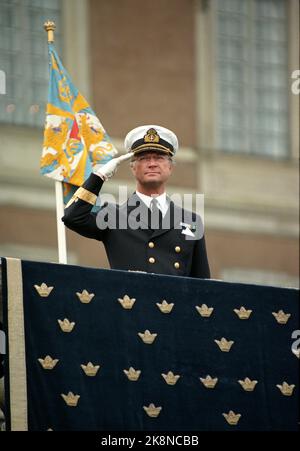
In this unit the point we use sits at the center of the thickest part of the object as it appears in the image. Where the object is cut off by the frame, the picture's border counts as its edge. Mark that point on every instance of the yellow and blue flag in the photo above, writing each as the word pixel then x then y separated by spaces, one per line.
pixel 74 138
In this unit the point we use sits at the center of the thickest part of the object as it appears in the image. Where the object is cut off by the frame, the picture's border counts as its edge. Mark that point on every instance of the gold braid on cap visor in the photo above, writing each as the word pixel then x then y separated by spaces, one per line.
pixel 154 147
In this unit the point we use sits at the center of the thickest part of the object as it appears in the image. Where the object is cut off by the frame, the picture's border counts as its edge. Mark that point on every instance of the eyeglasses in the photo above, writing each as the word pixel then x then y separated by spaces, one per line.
pixel 156 158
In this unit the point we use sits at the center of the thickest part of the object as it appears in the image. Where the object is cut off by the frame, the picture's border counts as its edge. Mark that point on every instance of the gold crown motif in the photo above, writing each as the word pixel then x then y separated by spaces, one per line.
pixel 242 313
pixel 48 363
pixel 286 389
pixel 224 345
pixel 71 399
pixel 170 378
pixel 209 382
pixel 127 302
pixel 151 136
pixel 204 310
pixel 147 337
pixel 49 25
pixel 152 411
pixel 43 290
pixel 232 418
pixel 65 325
pixel 132 374
pixel 85 297
pixel 164 307
pixel 281 317
pixel 248 384
pixel 90 369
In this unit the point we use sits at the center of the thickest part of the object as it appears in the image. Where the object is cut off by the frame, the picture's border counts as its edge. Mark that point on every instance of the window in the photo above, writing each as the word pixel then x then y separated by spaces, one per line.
pixel 24 58
pixel 252 77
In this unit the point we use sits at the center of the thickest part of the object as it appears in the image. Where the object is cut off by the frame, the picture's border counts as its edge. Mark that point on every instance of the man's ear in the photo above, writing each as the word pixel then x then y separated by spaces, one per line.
pixel 132 167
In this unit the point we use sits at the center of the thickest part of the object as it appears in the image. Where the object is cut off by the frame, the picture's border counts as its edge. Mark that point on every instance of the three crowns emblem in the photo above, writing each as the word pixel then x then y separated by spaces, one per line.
pixel 281 317
pixel 127 302
pixel 204 310
pixel 296 352
pixel 132 374
pixel 147 337
pixel 66 325
pixel 152 411
pixel 48 363
pixel 242 313
pixel 170 378
pixel 90 369
pixel 164 307
pixel 247 384
pixel 208 381
pixel 286 389
pixel 70 399
pixel 85 297
pixel 43 290
pixel 232 418
pixel 224 344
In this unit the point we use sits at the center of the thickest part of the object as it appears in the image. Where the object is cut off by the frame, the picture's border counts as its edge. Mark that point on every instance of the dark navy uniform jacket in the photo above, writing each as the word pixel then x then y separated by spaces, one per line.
pixel 130 243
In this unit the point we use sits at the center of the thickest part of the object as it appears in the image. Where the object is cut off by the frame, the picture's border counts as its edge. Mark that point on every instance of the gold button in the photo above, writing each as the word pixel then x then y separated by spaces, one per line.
pixel 151 260
pixel 176 265
pixel 151 244
pixel 177 249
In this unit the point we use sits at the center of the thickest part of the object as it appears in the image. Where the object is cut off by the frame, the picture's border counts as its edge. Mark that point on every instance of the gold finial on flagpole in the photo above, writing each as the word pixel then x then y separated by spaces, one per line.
pixel 50 27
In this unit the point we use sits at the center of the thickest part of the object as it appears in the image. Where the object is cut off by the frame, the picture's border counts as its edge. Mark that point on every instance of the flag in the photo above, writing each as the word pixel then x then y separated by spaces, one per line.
pixel 74 139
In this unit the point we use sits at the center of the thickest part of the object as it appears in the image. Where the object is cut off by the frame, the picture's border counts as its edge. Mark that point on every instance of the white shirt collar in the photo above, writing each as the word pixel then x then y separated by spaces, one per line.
pixel 162 201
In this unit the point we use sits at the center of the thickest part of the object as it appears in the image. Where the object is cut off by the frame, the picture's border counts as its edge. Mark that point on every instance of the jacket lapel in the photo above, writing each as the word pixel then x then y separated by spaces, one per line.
pixel 171 220
pixel 135 214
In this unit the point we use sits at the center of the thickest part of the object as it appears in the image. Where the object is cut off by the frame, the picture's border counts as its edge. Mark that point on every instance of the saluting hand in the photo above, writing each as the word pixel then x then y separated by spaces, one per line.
pixel 109 169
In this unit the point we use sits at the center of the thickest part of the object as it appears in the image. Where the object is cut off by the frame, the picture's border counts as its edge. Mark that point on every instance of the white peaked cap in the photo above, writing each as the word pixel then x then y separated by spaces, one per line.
pixel 152 138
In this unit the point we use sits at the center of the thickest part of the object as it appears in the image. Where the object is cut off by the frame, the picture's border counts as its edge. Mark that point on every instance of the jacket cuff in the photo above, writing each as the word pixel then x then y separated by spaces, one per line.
pixel 88 192
pixel 93 184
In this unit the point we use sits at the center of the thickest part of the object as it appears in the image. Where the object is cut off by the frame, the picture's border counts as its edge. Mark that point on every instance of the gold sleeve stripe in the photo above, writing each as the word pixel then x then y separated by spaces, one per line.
pixel 86 195
pixel 83 194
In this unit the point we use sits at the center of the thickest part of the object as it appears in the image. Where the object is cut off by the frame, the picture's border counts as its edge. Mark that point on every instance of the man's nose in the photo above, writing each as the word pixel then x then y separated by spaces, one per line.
pixel 152 161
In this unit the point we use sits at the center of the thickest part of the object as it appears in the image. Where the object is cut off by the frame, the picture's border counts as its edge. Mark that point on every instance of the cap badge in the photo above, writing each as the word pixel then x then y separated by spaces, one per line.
pixel 151 136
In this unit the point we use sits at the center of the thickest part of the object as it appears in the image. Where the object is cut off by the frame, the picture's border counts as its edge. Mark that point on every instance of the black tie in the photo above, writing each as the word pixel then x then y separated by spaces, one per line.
pixel 156 215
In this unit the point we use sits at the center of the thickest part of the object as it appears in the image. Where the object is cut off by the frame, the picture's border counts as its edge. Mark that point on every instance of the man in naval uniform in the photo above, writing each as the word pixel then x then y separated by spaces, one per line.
pixel 148 232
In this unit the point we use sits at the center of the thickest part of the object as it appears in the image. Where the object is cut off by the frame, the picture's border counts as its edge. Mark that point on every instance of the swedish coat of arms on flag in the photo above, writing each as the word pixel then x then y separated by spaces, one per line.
pixel 74 138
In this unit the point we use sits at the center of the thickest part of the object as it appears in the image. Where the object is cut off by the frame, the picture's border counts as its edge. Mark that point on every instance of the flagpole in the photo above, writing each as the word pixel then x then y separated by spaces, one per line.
pixel 61 230
pixel 59 198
